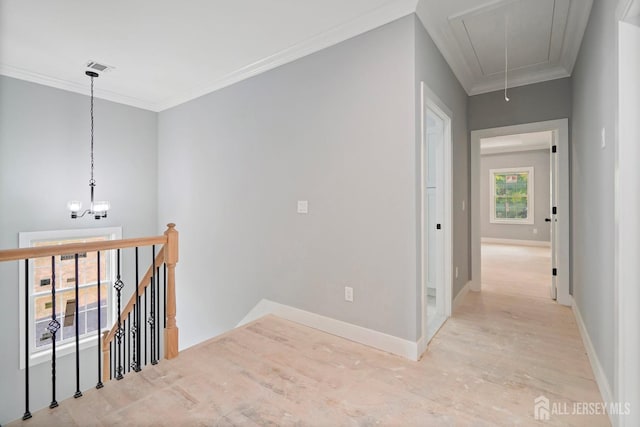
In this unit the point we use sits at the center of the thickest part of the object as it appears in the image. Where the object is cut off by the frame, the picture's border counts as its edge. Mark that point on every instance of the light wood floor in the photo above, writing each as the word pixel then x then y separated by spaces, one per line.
pixel 484 368
pixel 517 270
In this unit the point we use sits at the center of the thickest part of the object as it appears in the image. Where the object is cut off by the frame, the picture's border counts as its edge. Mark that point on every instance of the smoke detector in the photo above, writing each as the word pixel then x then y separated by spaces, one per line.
pixel 99 67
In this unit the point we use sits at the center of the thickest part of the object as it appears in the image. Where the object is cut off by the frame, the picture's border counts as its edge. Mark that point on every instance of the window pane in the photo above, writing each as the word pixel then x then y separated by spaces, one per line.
pixel 511 195
pixel 65 293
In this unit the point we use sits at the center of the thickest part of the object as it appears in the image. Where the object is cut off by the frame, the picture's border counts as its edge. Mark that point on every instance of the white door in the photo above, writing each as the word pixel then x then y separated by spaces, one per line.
pixel 553 216
pixel 434 212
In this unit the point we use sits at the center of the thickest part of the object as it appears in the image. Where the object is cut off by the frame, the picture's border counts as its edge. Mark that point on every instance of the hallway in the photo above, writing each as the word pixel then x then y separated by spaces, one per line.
pixel 485 367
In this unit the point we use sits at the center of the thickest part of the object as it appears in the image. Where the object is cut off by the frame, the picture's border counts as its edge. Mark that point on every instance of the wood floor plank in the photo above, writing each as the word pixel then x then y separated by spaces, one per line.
pixel 500 350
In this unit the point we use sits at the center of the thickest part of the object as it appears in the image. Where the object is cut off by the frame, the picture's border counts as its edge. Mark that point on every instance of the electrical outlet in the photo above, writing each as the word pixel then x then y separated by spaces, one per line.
pixel 535 231
pixel 603 137
pixel 348 293
pixel 456 272
pixel 463 205
pixel 303 206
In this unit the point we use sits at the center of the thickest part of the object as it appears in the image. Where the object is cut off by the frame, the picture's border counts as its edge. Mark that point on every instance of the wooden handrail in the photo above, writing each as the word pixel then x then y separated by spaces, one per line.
pixel 73 248
pixel 146 280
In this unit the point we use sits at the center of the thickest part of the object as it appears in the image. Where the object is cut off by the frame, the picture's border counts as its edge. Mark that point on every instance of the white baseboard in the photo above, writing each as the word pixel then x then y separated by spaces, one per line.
pixel 359 334
pixel 598 372
pixel 516 242
pixel 458 299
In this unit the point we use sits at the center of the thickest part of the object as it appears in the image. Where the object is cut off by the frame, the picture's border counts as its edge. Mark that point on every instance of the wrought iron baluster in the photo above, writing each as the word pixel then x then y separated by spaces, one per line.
pixel 164 294
pixel 77 315
pixel 53 328
pixel 118 285
pixel 129 342
pixel 152 320
pixel 157 313
pixel 144 297
pixel 27 413
pixel 136 324
pixel 99 384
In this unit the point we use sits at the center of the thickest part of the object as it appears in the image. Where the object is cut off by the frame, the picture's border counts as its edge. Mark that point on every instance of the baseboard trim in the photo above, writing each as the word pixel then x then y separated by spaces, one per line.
pixel 379 340
pixel 515 242
pixel 460 297
pixel 598 371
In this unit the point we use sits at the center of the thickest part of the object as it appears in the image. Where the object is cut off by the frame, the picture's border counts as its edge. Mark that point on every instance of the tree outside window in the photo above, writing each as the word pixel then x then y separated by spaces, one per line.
pixel 511 195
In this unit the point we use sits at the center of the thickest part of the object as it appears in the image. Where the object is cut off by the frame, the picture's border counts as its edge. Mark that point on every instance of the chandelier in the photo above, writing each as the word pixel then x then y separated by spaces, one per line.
pixel 97 209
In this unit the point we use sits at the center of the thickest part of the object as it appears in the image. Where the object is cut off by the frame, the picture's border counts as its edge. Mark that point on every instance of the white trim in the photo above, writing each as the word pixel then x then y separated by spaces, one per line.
pixel 25 239
pixel 359 334
pixel 70 86
pixel 461 294
pixel 560 130
pixel 626 203
pixel 596 367
pixel 515 242
pixel 430 100
pixel 388 12
pixel 530 192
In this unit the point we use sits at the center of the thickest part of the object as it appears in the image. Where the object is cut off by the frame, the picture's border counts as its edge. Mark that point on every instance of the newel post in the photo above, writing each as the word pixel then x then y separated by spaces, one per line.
pixel 171 258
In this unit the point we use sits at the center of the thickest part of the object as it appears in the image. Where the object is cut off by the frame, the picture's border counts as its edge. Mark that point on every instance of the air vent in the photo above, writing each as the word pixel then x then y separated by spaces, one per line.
pixel 97 66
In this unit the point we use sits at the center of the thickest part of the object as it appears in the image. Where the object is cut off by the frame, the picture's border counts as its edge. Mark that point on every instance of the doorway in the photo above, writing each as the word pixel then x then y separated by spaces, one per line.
pixel 557 217
pixel 516 196
pixel 435 214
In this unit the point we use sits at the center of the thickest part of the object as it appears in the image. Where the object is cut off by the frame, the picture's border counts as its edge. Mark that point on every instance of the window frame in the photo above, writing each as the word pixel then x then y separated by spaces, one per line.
pixel 530 219
pixel 28 239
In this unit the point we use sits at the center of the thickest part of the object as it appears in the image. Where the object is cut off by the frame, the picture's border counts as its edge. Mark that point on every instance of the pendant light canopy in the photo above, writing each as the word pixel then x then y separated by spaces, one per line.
pixel 97 209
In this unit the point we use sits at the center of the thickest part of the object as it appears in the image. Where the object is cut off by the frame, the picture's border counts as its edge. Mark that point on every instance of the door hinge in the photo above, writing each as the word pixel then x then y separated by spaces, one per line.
pixel 554 271
pixel 554 210
pixel 554 148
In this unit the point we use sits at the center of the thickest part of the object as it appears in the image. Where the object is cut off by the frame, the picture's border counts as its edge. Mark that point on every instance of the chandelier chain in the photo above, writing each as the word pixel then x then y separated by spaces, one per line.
pixel 92 181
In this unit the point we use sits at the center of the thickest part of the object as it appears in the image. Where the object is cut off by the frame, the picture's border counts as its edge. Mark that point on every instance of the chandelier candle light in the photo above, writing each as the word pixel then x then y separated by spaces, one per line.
pixel 98 209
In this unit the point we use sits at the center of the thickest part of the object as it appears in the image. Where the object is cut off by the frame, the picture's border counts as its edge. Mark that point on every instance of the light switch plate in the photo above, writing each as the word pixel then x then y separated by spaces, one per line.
pixel 303 206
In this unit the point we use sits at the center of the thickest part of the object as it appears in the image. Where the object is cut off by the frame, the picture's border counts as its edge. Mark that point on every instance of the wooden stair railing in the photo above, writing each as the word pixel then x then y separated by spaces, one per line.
pixel 166 257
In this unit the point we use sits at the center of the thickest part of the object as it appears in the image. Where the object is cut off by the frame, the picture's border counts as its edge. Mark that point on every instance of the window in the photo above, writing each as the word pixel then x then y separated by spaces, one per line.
pixel 39 288
pixel 511 195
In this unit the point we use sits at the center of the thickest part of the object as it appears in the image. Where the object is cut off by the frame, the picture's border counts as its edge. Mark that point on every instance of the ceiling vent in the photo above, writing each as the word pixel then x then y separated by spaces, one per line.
pixel 98 67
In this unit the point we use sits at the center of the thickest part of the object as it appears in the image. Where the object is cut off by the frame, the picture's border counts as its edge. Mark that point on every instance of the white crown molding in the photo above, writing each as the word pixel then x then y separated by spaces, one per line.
pixel 18 73
pixel 374 19
pixel 391 11
pixel 442 39
pixel 543 75
pixel 577 22
pixel 440 25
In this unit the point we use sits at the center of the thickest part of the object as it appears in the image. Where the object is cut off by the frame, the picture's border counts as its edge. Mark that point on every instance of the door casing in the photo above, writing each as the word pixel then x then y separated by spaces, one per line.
pixel 430 100
pixel 560 130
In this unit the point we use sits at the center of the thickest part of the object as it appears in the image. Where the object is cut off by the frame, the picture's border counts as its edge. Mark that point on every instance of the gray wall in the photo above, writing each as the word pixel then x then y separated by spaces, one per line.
pixel 539 159
pixel 44 162
pixel 594 107
pixel 538 102
pixel 335 128
pixel 435 72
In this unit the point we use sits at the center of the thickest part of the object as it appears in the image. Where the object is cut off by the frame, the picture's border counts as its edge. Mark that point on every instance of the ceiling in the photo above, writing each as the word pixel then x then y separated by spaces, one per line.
pixel 167 52
pixel 543 38
pixel 519 142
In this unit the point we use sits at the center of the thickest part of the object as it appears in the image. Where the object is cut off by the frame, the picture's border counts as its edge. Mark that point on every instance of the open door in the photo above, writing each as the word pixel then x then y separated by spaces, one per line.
pixel 553 215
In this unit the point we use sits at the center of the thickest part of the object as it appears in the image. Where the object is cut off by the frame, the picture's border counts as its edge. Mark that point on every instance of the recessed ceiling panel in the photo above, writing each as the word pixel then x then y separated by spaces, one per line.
pixel 528 36
pixel 543 38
